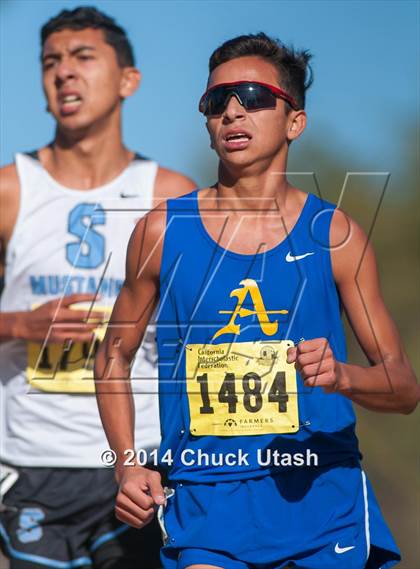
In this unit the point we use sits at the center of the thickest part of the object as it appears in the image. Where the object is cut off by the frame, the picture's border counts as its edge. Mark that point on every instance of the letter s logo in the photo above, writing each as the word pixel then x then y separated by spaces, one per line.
pixel 89 251
pixel 29 529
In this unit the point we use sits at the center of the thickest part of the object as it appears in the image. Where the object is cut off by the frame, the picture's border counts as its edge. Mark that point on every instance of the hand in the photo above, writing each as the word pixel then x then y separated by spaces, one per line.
pixel 56 322
pixel 315 361
pixel 139 495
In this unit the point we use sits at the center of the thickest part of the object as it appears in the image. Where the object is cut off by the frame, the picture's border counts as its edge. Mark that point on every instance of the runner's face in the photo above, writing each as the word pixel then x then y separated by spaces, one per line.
pixel 82 80
pixel 266 131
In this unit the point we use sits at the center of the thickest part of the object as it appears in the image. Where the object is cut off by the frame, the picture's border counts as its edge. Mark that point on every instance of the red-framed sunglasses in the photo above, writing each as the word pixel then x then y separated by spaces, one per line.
pixel 252 95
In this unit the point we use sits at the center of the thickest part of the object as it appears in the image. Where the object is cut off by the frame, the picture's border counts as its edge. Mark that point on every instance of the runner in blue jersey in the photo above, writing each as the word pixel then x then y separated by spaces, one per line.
pixel 249 278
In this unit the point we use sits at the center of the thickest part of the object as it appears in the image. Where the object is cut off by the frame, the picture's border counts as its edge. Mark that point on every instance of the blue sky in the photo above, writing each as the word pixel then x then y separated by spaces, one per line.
pixel 364 98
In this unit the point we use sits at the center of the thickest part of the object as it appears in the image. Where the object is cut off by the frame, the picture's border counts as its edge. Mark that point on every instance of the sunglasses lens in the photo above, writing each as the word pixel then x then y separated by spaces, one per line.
pixel 256 97
pixel 251 95
pixel 214 103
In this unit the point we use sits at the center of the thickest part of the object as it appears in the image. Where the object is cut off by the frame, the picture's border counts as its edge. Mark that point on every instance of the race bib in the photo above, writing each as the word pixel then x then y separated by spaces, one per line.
pixel 244 388
pixel 68 367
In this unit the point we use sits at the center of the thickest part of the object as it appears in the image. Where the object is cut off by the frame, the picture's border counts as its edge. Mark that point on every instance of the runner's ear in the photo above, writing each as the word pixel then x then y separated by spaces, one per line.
pixel 130 81
pixel 297 124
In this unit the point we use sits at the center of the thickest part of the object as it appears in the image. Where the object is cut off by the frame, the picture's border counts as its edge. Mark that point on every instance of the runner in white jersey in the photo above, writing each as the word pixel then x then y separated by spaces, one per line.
pixel 70 209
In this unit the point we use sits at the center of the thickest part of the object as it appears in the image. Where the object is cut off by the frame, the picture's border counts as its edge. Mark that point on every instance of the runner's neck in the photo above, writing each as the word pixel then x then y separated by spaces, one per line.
pixel 254 194
pixel 89 159
pixel 248 186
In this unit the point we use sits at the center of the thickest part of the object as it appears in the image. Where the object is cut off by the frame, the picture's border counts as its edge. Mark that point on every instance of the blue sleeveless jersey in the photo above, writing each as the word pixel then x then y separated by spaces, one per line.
pixel 230 405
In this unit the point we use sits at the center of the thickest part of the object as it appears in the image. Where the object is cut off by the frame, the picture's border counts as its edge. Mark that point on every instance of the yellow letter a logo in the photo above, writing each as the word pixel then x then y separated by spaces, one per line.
pixel 249 286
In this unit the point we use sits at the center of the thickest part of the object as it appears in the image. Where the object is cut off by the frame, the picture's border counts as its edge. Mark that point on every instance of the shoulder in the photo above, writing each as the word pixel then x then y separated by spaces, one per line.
pixel 154 221
pixel 149 231
pixel 170 184
pixel 9 181
pixel 349 247
pixel 145 247
pixel 9 199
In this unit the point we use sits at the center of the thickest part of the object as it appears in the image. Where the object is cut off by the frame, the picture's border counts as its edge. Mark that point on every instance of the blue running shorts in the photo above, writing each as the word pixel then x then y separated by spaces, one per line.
pixel 309 518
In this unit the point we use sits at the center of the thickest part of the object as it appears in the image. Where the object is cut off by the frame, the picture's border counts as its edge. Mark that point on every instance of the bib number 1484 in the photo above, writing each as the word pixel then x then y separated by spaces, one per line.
pixel 251 393
pixel 241 389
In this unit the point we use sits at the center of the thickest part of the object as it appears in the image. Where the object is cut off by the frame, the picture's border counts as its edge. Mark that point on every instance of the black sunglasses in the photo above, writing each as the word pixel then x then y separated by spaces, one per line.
pixel 252 95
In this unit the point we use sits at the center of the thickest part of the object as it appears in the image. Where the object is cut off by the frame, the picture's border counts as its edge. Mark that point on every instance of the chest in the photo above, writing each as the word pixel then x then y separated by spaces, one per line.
pixel 63 234
pixel 248 233
pixel 221 292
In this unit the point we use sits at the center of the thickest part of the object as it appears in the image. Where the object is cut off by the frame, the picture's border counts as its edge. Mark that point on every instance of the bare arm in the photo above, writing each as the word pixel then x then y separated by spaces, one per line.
pixel 35 325
pixel 9 207
pixel 140 488
pixel 389 384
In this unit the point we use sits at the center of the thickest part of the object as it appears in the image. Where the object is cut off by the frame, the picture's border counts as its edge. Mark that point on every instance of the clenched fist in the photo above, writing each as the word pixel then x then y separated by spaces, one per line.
pixel 140 494
pixel 315 361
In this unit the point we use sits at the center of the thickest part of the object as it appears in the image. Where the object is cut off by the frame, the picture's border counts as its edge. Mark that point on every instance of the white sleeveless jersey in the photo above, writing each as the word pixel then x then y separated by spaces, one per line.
pixel 69 241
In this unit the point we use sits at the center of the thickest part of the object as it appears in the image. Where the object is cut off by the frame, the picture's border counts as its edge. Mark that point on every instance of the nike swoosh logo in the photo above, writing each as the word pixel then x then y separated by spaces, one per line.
pixel 124 195
pixel 290 258
pixel 339 549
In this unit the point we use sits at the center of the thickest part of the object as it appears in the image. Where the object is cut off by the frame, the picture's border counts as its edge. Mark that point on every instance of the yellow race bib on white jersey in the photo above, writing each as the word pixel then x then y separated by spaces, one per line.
pixel 68 367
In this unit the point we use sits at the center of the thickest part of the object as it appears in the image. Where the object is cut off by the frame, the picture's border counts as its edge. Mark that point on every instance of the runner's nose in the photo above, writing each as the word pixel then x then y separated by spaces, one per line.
pixel 63 72
pixel 234 109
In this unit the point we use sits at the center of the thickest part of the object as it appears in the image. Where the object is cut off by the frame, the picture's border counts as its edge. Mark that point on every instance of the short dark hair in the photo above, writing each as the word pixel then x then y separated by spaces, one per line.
pixel 89 17
pixel 294 72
